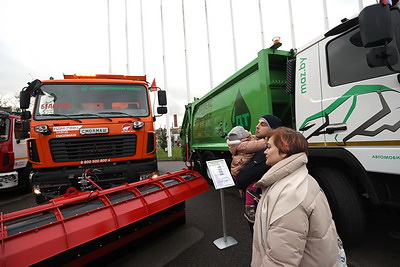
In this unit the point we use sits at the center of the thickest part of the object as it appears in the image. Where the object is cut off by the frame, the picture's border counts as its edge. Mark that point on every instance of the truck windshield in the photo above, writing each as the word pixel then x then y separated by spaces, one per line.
pixel 4 129
pixel 77 101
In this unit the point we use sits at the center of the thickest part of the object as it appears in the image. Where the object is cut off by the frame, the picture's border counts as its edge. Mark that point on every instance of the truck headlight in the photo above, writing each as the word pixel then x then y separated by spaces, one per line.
pixel 138 124
pixel 43 129
pixel 146 175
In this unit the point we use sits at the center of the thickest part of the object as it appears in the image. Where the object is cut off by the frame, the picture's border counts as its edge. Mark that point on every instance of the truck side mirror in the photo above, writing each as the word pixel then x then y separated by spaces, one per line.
pixel 382 56
pixel 25 94
pixel 162 110
pixel 162 98
pixel 24 99
pixel 375 25
pixel 34 85
pixel 26 115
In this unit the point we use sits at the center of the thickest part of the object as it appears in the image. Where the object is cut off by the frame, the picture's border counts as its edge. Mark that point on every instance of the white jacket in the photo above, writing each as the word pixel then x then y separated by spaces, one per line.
pixel 293 225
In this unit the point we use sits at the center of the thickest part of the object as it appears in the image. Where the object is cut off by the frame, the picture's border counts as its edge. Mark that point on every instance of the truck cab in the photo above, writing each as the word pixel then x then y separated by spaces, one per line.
pixel 101 122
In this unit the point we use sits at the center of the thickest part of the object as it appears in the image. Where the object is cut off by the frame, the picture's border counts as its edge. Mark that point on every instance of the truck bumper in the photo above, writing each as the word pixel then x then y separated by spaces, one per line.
pixel 54 181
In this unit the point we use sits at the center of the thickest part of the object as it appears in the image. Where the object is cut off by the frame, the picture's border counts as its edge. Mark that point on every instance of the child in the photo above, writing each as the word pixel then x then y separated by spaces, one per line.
pixel 242 145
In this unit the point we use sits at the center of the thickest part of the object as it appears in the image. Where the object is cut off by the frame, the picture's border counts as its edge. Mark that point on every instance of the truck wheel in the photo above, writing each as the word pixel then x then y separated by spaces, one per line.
pixel 25 182
pixel 208 155
pixel 197 162
pixel 346 207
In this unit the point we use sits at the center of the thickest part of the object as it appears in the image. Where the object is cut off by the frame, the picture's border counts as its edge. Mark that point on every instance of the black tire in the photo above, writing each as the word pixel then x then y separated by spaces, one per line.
pixel 25 182
pixel 208 155
pixel 197 162
pixel 345 204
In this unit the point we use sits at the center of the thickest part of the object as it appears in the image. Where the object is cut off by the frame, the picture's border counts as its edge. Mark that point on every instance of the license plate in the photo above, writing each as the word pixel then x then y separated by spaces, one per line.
pixel 100 130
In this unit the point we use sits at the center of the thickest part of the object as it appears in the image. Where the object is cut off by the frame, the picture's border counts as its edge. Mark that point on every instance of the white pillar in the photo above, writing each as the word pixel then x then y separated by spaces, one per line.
pixel 169 147
pixel 291 24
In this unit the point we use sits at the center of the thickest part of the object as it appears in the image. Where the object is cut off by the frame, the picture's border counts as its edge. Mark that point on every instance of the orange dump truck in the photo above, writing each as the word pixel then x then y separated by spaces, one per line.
pixel 102 122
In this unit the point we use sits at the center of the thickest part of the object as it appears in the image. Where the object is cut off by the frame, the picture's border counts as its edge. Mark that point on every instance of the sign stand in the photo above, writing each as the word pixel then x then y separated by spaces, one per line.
pixel 219 172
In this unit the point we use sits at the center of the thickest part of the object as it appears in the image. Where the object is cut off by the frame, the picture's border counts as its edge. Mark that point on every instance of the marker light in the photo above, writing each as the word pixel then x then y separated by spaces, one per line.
pixel 84 75
pixel 276 39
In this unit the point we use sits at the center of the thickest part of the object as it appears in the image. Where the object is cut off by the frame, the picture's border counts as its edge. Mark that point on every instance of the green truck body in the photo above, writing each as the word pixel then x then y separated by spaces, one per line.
pixel 258 88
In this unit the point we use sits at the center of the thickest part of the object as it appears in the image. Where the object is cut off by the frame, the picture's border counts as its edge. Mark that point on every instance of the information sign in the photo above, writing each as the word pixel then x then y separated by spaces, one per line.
pixel 220 174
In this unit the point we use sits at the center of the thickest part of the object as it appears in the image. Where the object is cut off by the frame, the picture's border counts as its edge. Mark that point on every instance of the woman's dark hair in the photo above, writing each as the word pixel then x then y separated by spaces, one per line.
pixel 288 141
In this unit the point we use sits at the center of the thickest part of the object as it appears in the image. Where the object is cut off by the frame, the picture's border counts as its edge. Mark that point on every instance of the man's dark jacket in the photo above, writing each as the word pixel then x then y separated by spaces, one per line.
pixel 253 170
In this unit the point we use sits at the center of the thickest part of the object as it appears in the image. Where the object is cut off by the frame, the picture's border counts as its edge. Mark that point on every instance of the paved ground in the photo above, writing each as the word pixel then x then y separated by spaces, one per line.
pixel 192 244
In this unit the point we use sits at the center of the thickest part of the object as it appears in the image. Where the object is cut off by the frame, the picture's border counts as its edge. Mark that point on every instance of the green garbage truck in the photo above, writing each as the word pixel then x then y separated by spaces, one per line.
pixel 341 92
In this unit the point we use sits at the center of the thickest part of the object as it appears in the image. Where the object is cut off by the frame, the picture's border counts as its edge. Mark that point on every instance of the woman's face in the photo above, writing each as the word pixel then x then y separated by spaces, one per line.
pixel 272 153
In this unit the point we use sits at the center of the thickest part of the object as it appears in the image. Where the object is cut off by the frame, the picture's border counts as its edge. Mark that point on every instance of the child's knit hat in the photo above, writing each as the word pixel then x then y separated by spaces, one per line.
pixel 237 133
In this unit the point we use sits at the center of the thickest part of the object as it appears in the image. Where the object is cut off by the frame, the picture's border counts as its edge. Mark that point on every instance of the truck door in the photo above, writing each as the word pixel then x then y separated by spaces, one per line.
pixel 308 94
pixel 19 145
pixel 360 105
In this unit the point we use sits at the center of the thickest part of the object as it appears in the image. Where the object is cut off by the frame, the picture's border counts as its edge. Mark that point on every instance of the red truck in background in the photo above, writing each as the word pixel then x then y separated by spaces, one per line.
pixel 14 165
pixel 101 122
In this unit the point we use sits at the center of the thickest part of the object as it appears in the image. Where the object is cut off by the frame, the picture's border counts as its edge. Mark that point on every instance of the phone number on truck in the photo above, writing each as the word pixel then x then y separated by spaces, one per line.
pixel 94 161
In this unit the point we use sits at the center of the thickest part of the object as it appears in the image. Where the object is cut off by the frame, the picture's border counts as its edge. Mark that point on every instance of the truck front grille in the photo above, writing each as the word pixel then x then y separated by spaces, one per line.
pixel 94 147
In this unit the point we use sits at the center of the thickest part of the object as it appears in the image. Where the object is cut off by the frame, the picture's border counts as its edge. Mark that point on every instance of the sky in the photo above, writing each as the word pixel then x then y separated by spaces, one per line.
pixel 46 38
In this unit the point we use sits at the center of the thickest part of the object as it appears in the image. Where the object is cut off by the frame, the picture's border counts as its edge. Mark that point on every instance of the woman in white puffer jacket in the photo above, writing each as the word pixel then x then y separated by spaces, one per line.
pixel 294 225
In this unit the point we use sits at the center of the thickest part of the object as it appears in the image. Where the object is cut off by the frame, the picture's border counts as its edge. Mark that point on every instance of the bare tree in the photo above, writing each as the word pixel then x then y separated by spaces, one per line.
pixel 10 102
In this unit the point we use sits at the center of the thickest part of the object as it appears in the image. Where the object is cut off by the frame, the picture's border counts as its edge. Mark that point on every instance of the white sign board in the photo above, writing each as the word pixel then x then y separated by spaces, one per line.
pixel 220 174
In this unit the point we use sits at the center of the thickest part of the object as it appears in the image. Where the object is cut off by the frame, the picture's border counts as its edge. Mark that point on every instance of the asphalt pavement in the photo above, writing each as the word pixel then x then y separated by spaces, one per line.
pixel 192 244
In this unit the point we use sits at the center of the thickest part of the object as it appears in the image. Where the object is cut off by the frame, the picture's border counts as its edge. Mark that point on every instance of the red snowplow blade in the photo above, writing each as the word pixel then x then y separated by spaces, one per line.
pixel 65 229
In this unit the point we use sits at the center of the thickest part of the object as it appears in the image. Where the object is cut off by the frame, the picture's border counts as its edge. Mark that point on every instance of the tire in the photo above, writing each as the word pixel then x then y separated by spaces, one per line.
pixel 197 162
pixel 208 155
pixel 345 204
pixel 25 182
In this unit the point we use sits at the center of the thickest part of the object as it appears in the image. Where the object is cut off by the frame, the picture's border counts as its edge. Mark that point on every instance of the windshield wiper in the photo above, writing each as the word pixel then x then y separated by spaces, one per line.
pixel 93 114
pixel 61 115
pixel 119 113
